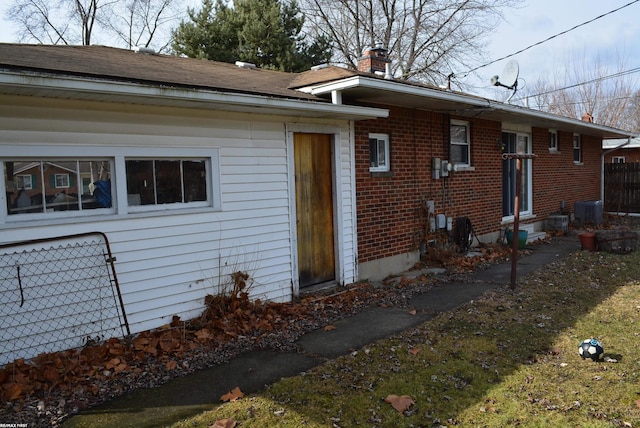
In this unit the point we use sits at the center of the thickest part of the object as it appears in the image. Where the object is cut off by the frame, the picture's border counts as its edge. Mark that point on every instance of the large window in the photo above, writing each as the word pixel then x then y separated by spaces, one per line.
pixel 166 181
pixel 43 188
pixel 460 148
pixel 49 186
pixel 516 143
pixel 379 153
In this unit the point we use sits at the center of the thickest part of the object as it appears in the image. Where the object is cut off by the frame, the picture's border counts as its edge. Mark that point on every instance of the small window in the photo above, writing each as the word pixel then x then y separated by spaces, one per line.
pixel 460 147
pixel 553 140
pixel 24 182
pixel 48 186
pixel 577 149
pixel 379 153
pixel 166 181
pixel 62 181
pixel 617 159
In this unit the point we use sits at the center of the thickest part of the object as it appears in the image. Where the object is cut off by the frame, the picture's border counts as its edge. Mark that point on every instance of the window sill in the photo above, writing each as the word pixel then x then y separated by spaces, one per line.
pixel 554 151
pixel 381 174
pixel 578 163
pixel 463 168
pixel 97 218
pixel 509 220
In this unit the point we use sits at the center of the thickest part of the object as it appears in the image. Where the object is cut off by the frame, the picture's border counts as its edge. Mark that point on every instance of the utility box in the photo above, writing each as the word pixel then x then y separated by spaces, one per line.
pixel 558 222
pixel 588 212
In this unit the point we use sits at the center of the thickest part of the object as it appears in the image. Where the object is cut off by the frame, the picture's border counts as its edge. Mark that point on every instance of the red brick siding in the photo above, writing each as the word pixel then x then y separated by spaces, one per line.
pixel 389 206
pixel 630 155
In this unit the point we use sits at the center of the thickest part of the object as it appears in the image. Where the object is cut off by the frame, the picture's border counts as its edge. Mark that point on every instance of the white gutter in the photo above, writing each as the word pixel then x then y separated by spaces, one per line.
pixel 387 85
pixel 363 82
pixel 136 93
pixel 602 166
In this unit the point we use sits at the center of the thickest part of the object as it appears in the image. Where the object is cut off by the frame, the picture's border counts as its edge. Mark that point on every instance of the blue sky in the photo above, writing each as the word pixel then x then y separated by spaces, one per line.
pixel 613 39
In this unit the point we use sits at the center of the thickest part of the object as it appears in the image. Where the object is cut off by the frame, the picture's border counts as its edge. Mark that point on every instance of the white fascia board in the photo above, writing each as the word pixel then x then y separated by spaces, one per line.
pixel 198 98
pixel 523 111
pixel 471 101
pixel 392 86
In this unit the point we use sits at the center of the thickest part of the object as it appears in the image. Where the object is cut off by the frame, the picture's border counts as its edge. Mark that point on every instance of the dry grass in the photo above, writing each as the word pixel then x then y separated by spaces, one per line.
pixel 507 359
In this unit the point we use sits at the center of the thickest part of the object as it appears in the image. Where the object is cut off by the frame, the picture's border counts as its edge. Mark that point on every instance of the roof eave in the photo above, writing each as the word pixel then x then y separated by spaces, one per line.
pixel 379 91
pixel 81 88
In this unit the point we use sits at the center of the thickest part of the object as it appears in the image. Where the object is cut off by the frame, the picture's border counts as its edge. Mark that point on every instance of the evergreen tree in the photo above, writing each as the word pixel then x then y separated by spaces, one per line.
pixel 263 32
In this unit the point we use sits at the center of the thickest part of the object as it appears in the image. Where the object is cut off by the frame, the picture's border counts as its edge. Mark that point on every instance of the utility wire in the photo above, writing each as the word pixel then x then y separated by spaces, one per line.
pixel 598 79
pixel 550 38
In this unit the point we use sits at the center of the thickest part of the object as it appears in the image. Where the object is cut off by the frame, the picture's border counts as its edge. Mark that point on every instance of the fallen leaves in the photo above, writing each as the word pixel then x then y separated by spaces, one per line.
pixel 224 423
pixel 401 403
pixel 233 395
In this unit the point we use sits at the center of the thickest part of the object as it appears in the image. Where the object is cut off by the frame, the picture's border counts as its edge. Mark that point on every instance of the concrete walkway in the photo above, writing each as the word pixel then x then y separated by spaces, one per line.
pixel 195 393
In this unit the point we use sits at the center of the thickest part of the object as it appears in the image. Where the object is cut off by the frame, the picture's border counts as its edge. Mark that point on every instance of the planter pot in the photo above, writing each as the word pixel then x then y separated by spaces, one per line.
pixel 588 241
pixel 522 238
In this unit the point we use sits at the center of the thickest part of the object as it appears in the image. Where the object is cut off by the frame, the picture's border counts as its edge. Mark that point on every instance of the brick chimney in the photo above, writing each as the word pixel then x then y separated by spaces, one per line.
pixel 373 59
pixel 587 117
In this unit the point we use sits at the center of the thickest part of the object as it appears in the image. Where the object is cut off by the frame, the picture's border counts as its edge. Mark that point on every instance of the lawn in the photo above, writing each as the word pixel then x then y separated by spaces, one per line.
pixel 507 359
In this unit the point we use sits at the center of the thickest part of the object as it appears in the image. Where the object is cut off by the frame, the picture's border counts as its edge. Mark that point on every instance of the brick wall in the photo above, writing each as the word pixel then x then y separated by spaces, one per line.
pixel 391 215
pixel 631 155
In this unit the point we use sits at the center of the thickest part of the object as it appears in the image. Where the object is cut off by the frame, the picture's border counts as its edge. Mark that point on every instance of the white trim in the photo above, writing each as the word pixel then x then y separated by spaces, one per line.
pixel 84 88
pixel 335 132
pixel 387 152
pixel 467 125
pixel 120 204
pixel 402 88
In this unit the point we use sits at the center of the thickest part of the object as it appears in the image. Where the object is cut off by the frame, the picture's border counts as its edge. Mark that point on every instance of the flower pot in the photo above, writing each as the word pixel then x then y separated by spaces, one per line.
pixel 522 238
pixel 588 241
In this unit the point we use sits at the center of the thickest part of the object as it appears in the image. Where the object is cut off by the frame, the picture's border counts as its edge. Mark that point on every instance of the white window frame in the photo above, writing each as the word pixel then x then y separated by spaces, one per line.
pixel 24 178
pixel 553 140
pixel 62 181
pixel 384 140
pixel 527 171
pixel 467 144
pixel 118 178
pixel 175 205
pixel 618 159
pixel 577 149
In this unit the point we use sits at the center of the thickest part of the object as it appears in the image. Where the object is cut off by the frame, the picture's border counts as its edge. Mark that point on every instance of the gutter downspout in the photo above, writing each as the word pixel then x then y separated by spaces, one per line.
pixel 602 166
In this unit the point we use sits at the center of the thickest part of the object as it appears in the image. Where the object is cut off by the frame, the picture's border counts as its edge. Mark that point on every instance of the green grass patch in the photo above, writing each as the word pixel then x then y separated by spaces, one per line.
pixel 507 359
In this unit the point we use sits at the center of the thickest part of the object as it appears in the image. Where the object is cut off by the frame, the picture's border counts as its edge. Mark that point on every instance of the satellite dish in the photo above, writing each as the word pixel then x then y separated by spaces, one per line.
pixel 509 76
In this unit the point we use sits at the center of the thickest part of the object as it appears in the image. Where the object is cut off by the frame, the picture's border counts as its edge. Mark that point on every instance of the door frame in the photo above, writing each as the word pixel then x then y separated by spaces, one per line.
pixel 520 131
pixel 337 189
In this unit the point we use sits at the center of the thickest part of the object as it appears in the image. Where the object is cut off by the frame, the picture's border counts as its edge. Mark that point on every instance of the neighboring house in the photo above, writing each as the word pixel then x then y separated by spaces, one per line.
pixel 195 169
pixel 205 169
pixel 437 157
pixel 621 150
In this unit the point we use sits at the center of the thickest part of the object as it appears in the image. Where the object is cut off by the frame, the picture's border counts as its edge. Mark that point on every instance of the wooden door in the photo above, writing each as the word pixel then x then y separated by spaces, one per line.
pixel 314 208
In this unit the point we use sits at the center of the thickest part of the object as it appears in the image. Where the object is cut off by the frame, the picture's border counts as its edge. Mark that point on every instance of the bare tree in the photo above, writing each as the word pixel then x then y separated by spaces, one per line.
pixel 141 22
pixel 590 87
pixel 125 23
pixel 427 39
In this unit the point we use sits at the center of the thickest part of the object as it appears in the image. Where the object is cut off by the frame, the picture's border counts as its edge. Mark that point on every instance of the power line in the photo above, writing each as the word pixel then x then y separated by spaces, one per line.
pixel 598 79
pixel 550 38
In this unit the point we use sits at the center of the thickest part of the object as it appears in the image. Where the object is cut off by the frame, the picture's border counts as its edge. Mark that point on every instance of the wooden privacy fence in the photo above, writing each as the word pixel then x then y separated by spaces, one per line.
pixel 622 187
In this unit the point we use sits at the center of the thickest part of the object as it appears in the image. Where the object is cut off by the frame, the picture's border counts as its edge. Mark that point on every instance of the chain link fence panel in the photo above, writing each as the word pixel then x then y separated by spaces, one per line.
pixel 56 294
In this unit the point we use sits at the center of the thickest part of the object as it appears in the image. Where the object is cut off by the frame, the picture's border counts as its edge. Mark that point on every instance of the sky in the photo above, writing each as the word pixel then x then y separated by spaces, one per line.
pixel 613 40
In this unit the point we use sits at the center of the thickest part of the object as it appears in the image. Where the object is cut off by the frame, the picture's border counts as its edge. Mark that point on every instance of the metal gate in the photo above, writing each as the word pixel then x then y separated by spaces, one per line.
pixel 56 294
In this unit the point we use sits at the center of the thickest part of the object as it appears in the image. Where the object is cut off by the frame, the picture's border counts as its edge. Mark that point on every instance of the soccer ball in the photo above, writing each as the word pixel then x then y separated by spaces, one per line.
pixel 592 349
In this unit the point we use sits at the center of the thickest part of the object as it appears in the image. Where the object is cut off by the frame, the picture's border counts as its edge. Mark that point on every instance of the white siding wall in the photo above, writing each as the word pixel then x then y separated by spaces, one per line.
pixel 168 261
